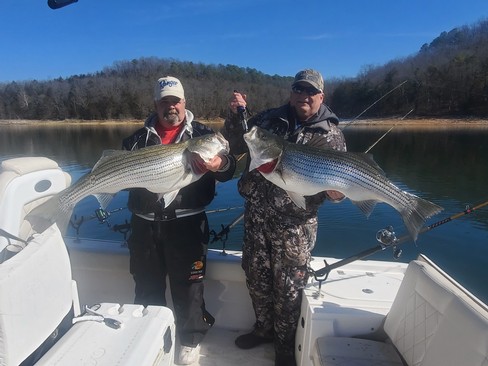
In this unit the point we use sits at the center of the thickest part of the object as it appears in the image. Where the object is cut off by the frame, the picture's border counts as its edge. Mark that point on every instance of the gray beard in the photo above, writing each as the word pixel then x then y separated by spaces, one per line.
pixel 172 118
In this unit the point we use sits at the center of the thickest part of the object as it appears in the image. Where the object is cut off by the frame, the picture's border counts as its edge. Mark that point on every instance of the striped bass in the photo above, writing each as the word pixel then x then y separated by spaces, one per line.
pixel 161 169
pixel 303 170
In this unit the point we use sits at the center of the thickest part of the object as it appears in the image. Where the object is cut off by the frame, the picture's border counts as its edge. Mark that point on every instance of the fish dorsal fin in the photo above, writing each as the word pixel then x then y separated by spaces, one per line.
pixel 368 159
pixel 104 199
pixel 366 206
pixel 108 153
pixel 297 199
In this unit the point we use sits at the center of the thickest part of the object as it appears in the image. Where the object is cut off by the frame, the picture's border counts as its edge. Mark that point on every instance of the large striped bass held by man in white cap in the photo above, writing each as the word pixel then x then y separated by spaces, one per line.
pixel 302 170
pixel 161 169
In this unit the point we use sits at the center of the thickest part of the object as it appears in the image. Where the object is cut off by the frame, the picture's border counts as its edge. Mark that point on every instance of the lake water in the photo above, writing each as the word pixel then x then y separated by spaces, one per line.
pixel 446 165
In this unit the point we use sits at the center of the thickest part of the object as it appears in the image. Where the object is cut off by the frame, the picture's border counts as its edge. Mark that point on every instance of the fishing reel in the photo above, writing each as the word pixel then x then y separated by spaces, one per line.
pixel 387 238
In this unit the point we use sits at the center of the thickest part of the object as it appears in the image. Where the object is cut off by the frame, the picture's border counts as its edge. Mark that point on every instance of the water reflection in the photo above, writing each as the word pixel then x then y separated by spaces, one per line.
pixel 445 165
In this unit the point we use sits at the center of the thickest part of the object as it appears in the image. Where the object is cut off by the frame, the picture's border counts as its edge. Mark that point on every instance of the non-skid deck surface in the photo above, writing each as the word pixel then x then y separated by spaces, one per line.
pixel 218 349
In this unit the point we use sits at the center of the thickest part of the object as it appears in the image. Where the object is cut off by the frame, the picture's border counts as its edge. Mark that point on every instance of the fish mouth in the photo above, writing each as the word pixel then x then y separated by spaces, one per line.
pixel 261 154
pixel 223 141
pixel 248 136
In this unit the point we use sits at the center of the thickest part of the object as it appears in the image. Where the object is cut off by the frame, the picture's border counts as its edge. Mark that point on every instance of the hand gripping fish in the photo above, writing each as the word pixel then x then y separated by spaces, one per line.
pixel 303 170
pixel 161 169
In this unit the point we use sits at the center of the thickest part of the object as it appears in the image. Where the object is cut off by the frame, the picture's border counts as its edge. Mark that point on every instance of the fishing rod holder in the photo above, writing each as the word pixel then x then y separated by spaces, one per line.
pixel 320 276
pixel 102 216
pixel 223 235
pixel 124 229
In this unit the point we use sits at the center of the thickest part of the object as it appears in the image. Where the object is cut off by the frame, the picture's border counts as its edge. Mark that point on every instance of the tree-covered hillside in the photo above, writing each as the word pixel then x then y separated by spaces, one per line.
pixel 446 78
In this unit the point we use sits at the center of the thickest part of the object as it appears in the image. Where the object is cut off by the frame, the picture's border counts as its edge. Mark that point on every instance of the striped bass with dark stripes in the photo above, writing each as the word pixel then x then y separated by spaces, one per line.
pixel 302 170
pixel 161 169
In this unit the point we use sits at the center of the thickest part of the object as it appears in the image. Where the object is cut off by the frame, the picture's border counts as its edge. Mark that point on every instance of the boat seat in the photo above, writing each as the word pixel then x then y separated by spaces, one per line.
pixel 39 299
pixel 433 321
pixel 36 295
pixel 25 183
pixel 145 337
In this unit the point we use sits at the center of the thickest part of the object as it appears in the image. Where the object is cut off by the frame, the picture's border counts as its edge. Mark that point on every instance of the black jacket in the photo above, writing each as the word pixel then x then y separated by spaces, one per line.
pixel 194 196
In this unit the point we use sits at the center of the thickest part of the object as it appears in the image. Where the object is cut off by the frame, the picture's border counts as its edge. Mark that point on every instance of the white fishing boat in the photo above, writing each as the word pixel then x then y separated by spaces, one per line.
pixel 362 313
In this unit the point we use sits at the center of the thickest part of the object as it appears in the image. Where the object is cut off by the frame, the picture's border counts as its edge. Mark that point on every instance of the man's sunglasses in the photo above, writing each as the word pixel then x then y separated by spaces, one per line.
pixel 297 89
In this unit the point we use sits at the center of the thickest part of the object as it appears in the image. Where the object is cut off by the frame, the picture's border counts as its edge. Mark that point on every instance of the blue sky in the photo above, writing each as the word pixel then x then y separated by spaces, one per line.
pixel 339 38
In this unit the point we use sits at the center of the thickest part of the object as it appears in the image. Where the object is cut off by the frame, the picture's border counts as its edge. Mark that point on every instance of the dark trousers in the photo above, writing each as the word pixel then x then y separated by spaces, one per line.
pixel 176 249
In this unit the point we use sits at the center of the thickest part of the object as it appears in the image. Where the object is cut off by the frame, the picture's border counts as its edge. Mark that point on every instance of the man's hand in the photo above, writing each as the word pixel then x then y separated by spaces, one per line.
pixel 199 166
pixel 216 163
pixel 237 100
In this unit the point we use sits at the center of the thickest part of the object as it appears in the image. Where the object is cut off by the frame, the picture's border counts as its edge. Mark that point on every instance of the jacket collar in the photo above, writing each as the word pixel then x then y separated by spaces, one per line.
pixel 151 121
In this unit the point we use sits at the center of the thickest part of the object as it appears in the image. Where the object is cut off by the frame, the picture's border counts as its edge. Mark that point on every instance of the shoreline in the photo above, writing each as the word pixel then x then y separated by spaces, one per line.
pixel 379 122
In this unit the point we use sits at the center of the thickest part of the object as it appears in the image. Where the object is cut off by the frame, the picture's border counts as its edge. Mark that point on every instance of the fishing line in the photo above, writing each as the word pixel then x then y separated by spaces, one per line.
pixel 387 132
pixel 384 96
pixel 225 230
pixel 386 237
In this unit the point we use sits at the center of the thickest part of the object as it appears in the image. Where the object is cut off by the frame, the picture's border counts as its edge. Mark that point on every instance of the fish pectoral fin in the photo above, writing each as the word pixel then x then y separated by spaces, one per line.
pixel 297 199
pixel 168 197
pixel 104 199
pixel 366 206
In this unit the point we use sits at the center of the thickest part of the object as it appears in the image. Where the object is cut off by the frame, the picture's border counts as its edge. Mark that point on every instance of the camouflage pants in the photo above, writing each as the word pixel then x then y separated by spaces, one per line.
pixel 275 261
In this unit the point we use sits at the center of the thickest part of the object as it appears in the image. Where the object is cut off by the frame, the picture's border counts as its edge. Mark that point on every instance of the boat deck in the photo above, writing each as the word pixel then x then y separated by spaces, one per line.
pixel 333 308
pixel 218 349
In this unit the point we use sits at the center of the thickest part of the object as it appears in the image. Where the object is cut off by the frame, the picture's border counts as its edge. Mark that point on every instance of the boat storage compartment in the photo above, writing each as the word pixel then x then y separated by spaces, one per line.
pixel 145 337
pixel 353 300
pixel 433 321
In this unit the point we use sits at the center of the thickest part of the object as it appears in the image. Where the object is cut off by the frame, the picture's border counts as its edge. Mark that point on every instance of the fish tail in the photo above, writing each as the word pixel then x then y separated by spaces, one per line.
pixel 417 212
pixel 48 213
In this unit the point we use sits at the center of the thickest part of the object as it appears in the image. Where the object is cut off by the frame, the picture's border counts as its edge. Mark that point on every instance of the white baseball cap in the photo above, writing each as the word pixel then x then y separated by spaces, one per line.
pixel 168 86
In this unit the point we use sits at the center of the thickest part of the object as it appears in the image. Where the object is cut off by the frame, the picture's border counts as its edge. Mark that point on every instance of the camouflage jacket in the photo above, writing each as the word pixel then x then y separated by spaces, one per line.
pixel 321 132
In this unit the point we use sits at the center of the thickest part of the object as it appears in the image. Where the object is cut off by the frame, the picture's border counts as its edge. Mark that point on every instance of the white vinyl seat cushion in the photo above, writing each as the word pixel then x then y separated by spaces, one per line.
pixel 432 322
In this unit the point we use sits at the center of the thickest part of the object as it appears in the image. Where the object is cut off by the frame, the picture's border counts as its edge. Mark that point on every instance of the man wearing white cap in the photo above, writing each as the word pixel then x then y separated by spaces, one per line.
pixel 173 241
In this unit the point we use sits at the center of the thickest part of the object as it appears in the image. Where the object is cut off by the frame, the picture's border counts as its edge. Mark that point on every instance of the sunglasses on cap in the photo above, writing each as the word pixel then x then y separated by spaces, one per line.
pixel 311 91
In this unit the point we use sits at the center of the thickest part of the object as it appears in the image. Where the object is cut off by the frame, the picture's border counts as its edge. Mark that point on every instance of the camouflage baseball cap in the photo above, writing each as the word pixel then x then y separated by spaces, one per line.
pixel 309 76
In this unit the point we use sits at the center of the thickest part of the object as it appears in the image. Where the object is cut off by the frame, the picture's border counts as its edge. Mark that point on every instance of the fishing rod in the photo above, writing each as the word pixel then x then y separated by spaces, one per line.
pixel 387 238
pixel 224 233
pixel 223 209
pixel 387 132
pixel 225 230
pixel 382 97
pixel 242 115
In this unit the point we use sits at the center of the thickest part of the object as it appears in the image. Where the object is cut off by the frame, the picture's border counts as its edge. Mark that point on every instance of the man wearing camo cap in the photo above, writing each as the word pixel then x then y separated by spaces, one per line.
pixel 278 235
